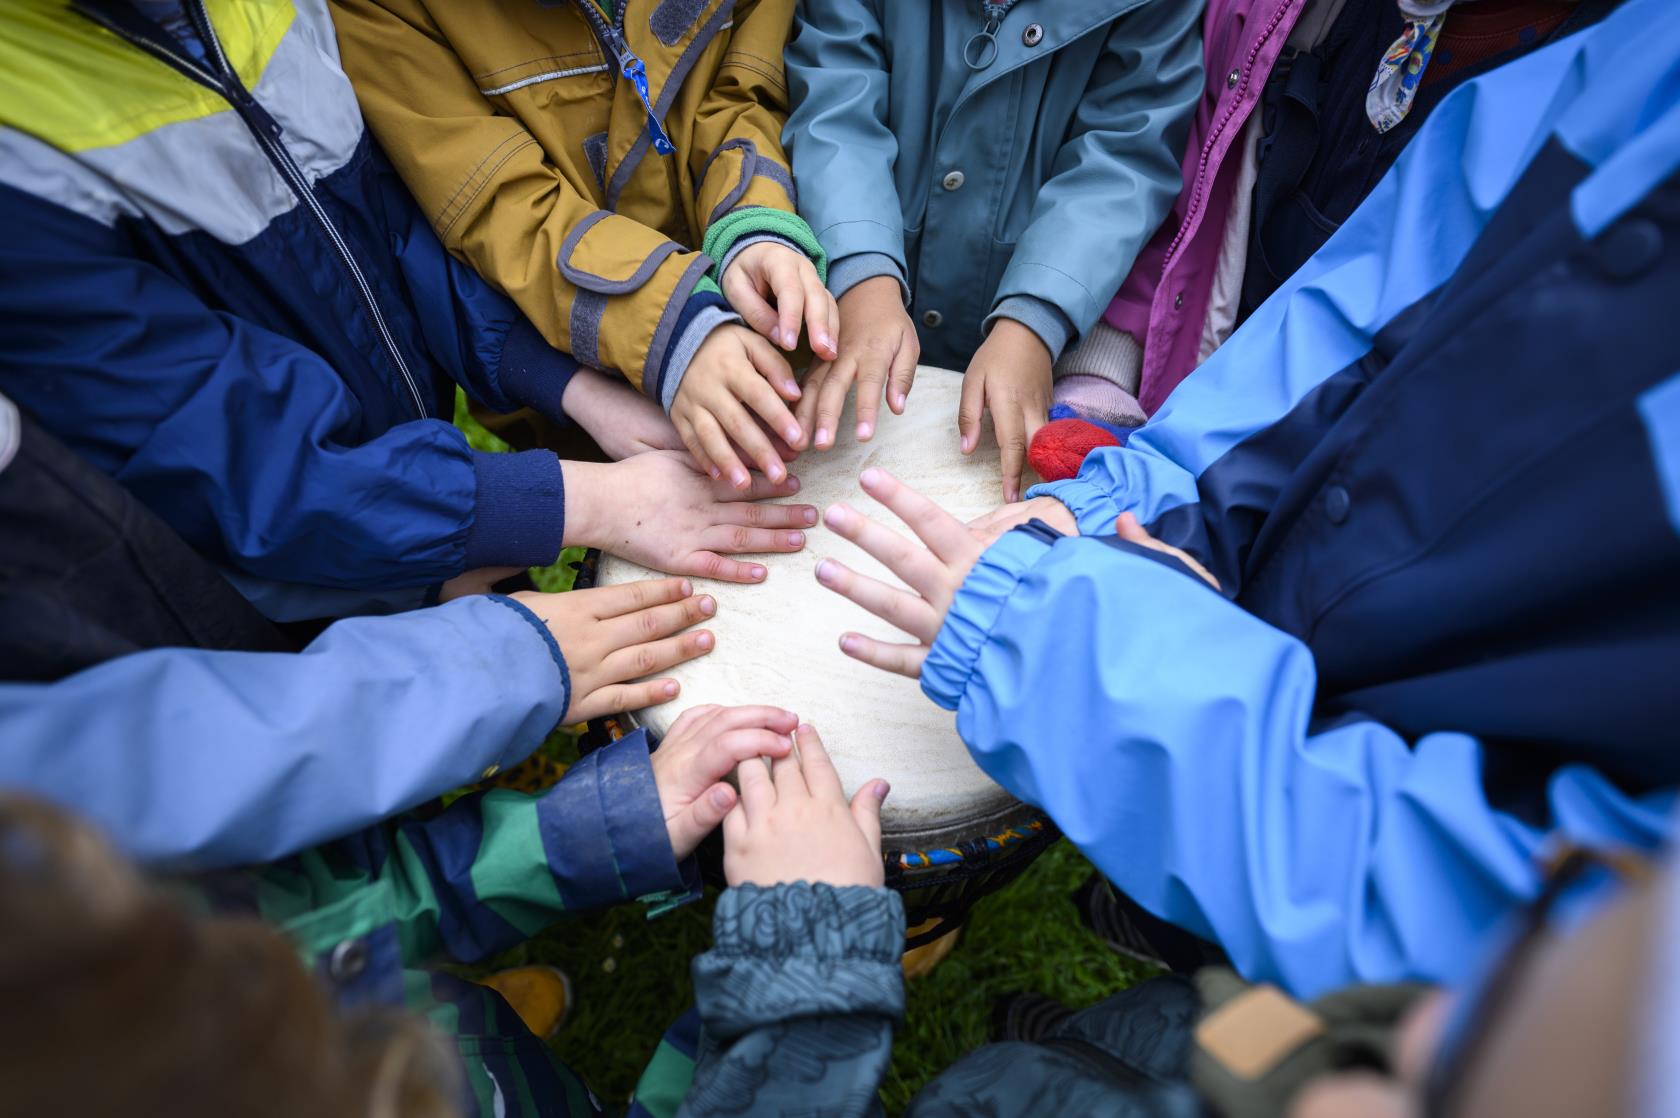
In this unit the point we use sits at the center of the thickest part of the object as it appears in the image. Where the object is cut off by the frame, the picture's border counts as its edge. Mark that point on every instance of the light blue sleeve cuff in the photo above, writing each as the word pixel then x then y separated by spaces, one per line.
pixel 1093 507
pixel 975 609
pixel 1047 320
pixel 687 345
pixel 849 271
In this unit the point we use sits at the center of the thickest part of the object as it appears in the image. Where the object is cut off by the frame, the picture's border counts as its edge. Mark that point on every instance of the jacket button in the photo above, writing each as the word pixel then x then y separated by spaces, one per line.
pixel 953 181
pixel 932 318
pixel 1628 249
pixel 348 961
pixel 1232 79
pixel 1336 504
pixel 1178 300
pixel 1033 35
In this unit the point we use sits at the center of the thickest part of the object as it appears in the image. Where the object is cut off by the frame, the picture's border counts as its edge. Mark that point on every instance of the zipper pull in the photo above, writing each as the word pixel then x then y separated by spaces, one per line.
pixel 252 109
pixel 634 69
pixel 981 50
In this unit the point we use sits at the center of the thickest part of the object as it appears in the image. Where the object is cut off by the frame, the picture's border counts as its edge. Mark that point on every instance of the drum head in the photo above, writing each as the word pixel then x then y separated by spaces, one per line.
pixel 778 642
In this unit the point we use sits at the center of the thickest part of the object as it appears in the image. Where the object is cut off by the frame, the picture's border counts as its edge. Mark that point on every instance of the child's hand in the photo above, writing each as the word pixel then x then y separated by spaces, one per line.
pixel 727 383
pixel 1010 376
pixel 657 510
pixel 702 747
pixel 793 823
pixel 621 420
pixel 769 272
pixel 879 349
pixel 1128 529
pixel 993 524
pixel 934 573
pixel 615 634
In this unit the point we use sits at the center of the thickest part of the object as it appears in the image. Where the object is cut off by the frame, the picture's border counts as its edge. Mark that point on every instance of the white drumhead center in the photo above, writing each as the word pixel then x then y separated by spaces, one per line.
pixel 778 642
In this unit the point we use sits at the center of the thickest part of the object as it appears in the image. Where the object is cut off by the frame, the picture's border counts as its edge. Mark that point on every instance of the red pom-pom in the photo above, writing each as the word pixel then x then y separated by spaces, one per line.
pixel 1061 446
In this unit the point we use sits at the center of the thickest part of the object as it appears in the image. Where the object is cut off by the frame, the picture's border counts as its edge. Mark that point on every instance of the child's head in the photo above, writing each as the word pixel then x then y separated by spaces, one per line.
pixel 116 1000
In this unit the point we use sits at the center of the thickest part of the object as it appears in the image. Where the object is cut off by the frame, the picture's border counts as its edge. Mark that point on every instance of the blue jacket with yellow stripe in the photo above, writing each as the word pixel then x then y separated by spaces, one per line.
pixel 1437 475
pixel 214 287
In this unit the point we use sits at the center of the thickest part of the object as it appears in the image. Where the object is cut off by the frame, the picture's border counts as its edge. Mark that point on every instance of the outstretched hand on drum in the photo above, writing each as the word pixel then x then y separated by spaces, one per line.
pixel 934 573
pixel 793 823
pixel 701 748
pixel 656 509
pixel 615 634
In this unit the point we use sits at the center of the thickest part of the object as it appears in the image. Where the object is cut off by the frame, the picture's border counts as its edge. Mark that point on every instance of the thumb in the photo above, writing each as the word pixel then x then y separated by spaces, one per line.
pixel 1128 529
pixel 866 811
pixel 693 823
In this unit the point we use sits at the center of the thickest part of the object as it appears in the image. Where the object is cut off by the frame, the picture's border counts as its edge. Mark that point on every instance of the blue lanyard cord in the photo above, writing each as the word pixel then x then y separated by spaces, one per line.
pixel 632 68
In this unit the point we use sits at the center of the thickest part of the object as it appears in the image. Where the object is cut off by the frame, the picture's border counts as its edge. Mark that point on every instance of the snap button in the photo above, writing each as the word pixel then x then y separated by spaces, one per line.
pixel 1178 300
pixel 489 771
pixel 1337 503
pixel 932 318
pixel 1232 79
pixel 953 180
pixel 1033 35
pixel 1628 249
pixel 348 961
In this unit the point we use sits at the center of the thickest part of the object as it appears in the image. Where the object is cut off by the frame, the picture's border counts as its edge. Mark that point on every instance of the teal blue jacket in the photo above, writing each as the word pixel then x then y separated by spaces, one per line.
pixel 1023 188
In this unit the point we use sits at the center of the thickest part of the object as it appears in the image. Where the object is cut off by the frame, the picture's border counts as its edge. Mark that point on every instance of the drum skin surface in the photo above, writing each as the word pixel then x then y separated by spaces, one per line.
pixel 778 641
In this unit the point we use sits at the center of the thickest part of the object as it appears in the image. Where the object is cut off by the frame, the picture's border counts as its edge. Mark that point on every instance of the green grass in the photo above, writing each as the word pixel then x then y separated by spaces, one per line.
pixel 631 978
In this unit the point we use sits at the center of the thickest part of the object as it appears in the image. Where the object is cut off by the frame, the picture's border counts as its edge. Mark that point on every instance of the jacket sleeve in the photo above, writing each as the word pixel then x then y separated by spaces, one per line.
pixel 193 759
pixel 798 999
pixel 1118 170
pixel 490 870
pixel 598 285
pixel 1405 240
pixel 843 152
pixel 244 441
pixel 1171 736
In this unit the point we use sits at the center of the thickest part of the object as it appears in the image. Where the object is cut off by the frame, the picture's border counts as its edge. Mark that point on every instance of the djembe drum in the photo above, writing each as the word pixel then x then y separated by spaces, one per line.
pixel 950 835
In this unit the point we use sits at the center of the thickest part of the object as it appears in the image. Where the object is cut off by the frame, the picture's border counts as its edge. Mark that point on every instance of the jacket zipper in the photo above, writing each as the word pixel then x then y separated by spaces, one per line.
pixel 267 131
pixel 630 66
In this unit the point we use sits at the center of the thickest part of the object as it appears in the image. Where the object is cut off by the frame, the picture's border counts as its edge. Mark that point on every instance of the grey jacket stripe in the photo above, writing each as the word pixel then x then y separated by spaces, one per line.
pixel 590 281
pixel 534 79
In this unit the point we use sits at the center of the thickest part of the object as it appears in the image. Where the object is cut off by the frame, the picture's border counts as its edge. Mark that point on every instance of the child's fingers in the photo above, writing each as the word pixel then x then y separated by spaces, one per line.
pixel 899 608
pixel 709 564
pixel 689 827
pixel 903 374
pixel 630 597
pixel 656 656
pixel 773 367
pixel 789 289
pixel 732 748
pixel 758 396
pixel 691 441
pixel 790 781
pixel 900 659
pixel 758 790
pixel 738 539
pixel 762 488
pixel 805 414
pixel 630 629
pixel 820 776
pixel 833 400
pixel 822 317
pixel 617 698
pixel 1010 426
pixel 743 295
pixel 735 827
pixel 721 450
pixel 948 537
pixel 871 380
pixel 762 514
pixel 969 407
pixel 914 564
pixel 768 717
pixel 745 432
pixel 866 810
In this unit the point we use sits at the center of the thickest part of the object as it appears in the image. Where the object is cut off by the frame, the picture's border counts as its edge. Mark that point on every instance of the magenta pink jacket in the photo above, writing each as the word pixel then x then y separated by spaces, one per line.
pixel 1165 298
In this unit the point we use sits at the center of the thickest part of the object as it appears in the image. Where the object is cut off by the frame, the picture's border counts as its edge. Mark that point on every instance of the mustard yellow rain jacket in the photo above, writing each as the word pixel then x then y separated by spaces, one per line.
pixel 577 155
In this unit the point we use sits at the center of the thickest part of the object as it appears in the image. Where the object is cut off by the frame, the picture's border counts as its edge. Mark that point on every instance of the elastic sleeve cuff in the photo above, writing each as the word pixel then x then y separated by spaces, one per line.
pixel 800 951
pixel 519 513
pixel 534 374
pixel 849 271
pixel 1094 508
pixel 975 609
pixel 750 221
pixel 703 313
pixel 1046 320
pixel 603 829
pixel 1114 355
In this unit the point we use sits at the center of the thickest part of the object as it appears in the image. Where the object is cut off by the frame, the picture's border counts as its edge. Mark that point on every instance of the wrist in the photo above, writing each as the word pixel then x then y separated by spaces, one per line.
pixel 1018 338
pixel 587 487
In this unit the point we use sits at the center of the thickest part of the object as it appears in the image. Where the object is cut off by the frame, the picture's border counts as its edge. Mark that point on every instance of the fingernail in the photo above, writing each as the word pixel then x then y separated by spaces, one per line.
pixel 835 516
pixel 793 485
pixel 670 689
pixel 810 516
pixel 686 587
pixel 898 400
pixel 707 606
pixel 848 643
pixel 871 476
pixel 805 728
pixel 825 574
pixel 704 640
pixel 791 433
pixel 738 478
pixel 714 472
pixel 796 539
pixel 793 390
pixel 777 472
pixel 967 444
pixel 758 573
pixel 881 789
pixel 822 436
pixel 865 430
pixel 722 800
pixel 824 341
